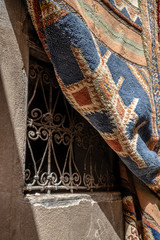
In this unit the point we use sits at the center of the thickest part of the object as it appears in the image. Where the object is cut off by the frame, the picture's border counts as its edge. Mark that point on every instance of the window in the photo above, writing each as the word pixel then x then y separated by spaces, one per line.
pixel 63 151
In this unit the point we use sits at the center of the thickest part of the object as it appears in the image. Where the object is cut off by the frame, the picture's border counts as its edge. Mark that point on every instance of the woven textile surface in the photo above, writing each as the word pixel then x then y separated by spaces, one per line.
pixel 105 55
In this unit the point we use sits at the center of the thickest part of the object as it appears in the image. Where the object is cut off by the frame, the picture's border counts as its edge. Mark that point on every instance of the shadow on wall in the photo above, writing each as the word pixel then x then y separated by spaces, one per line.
pixel 18 19
pixel 17 218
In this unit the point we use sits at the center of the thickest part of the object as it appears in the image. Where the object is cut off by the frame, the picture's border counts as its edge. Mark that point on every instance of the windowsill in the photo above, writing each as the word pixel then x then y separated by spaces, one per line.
pixel 63 199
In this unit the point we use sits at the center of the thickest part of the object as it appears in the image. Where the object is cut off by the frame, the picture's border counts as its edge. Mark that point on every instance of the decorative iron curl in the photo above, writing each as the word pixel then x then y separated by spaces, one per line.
pixel 47 119
pixel 32 134
pixel 27 174
pixel 88 180
pixel 71 179
pixel 103 179
pixel 44 134
pixel 36 114
pixel 79 127
pixel 36 133
pixel 66 179
pixel 76 179
pixel 33 72
pixel 43 179
pixel 45 77
pixel 58 119
pixel 64 138
pixel 54 179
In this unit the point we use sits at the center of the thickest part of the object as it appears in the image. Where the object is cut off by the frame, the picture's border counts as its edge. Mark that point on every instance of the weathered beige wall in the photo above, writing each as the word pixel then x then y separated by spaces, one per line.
pixel 65 217
pixel 78 216
pixel 16 217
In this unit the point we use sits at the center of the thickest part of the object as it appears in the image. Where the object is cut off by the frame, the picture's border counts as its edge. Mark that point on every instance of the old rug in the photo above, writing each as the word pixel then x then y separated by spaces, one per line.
pixel 106 58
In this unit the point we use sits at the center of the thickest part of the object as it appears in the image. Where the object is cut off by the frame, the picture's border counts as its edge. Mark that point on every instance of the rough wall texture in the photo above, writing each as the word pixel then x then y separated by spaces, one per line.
pixel 65 217
pixel 14 212
pixel 84 216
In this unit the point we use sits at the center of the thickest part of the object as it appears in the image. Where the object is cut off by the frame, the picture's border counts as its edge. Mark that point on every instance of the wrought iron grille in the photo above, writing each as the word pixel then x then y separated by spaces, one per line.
pixel 63 152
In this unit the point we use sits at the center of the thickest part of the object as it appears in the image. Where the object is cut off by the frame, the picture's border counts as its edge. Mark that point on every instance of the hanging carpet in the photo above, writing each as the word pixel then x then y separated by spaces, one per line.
pixel 105 55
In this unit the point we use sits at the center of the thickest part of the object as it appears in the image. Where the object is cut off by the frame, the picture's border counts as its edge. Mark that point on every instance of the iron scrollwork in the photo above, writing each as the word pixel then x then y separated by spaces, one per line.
pixel 63 151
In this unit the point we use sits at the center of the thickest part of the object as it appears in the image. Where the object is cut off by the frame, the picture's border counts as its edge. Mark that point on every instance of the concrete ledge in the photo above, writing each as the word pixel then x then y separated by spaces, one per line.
pixel 82 216
pixel 53 200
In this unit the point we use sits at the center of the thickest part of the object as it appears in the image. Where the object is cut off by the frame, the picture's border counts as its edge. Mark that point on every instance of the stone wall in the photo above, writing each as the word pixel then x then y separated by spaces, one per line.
pixel 42 217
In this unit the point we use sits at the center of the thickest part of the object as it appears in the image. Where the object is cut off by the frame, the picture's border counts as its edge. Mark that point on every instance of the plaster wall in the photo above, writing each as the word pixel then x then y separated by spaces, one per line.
pixel 65 216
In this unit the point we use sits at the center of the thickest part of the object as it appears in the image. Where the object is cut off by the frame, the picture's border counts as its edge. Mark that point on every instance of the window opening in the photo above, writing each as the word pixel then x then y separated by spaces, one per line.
pixel 63 151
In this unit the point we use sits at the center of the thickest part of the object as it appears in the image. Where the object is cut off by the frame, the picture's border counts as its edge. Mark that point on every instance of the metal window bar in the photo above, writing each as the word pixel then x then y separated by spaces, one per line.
pixel 64 152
